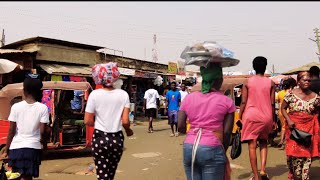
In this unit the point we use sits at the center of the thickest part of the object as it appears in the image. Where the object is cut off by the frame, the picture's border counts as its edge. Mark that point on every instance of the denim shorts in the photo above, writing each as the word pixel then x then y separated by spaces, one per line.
pixel 172 117
pixel 209 162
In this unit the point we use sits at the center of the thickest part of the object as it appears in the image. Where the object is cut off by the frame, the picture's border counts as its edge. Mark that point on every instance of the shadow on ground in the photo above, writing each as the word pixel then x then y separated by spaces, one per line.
pixel 279 170
pixel 272 172
pixel 163 129
pixel 66 154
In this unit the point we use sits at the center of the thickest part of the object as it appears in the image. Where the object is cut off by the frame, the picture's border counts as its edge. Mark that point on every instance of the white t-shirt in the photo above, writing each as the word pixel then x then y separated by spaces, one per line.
pixel 28 118
pixel 108 107
pixel 183 94
pixel 151 95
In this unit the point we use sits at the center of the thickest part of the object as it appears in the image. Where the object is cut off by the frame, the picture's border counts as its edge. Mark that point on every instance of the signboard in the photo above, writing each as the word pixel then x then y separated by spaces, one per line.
pixel 172 68
pixel 126 71
pixel 181 68
pixel 145 74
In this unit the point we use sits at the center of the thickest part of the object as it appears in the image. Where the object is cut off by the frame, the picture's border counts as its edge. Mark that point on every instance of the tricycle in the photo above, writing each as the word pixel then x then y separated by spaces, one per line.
pixel 66 130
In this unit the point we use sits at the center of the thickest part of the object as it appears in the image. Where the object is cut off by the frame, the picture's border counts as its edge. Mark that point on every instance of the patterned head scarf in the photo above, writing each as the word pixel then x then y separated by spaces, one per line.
pixel 209 75
pixel 105 74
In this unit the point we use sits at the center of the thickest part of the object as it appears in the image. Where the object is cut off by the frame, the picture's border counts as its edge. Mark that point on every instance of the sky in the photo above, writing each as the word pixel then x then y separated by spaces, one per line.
pixel 279 31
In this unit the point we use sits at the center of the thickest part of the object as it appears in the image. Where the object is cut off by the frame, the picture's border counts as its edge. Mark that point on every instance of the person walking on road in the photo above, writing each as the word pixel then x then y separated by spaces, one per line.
pixel 257 115
pixel 280 96
pixel 211 115
pixel 107 110
pixel 151 104
pixel 173 99
pixel 315 79
pixel 303 107
pixel 184 92
pixel 28 120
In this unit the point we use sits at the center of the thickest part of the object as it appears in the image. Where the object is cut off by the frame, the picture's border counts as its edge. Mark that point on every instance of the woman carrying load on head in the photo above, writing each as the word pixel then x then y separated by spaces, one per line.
pixel 107 110
pixel 211 116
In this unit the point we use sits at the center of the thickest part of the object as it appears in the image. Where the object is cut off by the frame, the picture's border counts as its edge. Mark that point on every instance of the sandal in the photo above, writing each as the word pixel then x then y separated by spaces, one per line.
pixel 264 176
pixel 283 147
pixel 279 145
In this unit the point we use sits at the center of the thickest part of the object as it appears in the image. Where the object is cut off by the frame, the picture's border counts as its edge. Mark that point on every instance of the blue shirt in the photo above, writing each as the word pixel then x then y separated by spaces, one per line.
pixel 173 99
pixel 76 103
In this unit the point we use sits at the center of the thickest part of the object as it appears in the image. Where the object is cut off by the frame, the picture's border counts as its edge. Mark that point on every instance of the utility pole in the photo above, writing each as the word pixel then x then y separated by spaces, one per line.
pixel 155 49
pixel 316 31
pixel 272 69
pixel 3 39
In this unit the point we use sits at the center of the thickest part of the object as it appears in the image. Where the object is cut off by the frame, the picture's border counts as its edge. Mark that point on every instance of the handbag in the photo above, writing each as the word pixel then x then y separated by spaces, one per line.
pixel 301 137
pixel 236 146
pixel 3 175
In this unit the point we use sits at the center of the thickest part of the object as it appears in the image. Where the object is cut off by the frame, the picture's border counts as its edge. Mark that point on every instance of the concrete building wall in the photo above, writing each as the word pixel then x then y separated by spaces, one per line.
pixel 58 53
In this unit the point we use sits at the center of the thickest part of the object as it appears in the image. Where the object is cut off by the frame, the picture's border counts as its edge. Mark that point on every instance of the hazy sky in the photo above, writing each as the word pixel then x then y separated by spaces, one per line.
pixel 280 31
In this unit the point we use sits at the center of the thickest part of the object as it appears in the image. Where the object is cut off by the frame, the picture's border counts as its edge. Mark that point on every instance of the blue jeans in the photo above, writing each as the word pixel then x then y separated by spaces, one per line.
pixel 209 162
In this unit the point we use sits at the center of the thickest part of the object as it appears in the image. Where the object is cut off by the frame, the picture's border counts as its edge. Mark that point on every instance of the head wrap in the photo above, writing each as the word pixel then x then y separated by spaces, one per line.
pixel 209 75
pixel 105 74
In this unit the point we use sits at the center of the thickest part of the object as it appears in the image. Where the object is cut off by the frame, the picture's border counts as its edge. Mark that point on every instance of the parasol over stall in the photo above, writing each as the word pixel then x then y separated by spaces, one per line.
pixel 305 67
pixel 7 66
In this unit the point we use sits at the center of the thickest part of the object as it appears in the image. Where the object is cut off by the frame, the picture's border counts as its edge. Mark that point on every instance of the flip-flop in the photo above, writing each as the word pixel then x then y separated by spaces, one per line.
pixel 279 145
pixel 264 176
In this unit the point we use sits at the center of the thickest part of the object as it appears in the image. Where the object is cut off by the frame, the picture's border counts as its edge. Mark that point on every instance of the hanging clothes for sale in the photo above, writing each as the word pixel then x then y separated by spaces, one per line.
pixel 66 78
pixel 46 99
pixel 75 78
pixel 56 78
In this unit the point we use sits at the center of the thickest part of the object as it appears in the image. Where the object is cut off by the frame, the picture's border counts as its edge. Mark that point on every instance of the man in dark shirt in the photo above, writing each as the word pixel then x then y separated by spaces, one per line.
pixel 315 80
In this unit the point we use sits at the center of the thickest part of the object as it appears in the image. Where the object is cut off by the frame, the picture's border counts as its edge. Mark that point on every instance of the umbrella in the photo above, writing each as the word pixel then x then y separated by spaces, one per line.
pixel 305 67
pixel 7 66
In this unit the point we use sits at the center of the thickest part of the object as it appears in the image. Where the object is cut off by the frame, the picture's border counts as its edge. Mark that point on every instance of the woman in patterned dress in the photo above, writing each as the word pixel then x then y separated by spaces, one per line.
pixel 302 104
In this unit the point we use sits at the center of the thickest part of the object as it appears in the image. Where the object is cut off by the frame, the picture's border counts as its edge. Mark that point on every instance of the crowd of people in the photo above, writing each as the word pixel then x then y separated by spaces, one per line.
pixel 209 112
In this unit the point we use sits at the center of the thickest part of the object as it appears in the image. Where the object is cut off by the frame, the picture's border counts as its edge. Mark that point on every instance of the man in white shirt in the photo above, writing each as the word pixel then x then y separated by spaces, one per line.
pixel 184 92
pixel 151 104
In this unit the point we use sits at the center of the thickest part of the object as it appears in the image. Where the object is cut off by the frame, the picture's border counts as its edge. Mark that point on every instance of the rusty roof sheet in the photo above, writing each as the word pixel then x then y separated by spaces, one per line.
pixel 57 69
pixel 50 41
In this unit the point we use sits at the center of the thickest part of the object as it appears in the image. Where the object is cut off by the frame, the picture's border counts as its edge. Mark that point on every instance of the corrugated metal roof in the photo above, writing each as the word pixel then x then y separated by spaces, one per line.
pixel 57 69
pixel 51 41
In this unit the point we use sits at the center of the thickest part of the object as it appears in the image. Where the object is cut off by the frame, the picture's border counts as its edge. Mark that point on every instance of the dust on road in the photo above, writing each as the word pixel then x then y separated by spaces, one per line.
pixel 156 156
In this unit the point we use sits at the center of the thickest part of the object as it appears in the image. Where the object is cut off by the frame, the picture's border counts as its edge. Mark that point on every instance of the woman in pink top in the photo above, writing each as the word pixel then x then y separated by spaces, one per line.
pixel 256 112
pixel 211 116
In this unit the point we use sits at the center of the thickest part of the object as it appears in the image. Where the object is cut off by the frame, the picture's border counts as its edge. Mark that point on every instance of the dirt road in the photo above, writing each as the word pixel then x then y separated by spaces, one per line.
pixel 156 156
